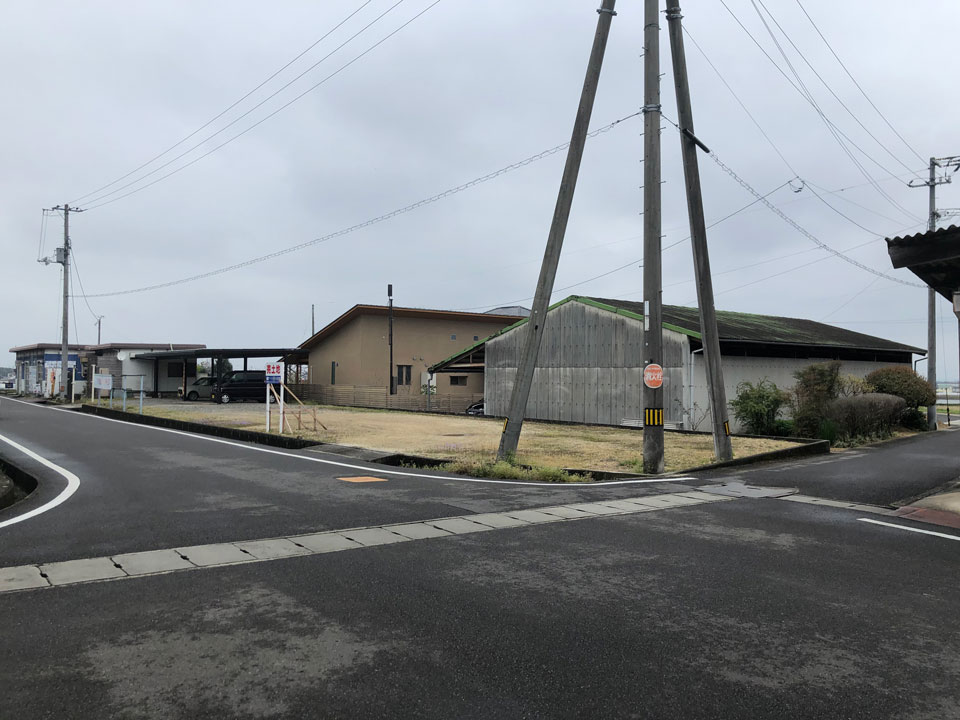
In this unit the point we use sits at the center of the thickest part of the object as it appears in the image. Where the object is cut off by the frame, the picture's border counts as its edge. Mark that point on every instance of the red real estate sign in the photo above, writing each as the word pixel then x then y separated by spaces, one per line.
pixel 653 376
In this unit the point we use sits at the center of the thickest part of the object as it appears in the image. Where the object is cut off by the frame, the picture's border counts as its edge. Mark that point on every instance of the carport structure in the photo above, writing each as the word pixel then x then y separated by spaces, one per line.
pixel 294 358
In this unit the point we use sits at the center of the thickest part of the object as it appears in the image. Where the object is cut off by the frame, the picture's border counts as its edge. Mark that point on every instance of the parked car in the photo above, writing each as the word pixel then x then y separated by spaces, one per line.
pixel 476 409
pixel 241 385
pixel 199 388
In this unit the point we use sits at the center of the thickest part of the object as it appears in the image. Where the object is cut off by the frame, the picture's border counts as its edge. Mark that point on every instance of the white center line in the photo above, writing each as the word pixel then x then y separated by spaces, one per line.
pixel 910 529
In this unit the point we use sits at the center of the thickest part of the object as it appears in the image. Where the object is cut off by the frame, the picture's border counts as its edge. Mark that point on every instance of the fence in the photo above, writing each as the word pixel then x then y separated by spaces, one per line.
pixel 378 397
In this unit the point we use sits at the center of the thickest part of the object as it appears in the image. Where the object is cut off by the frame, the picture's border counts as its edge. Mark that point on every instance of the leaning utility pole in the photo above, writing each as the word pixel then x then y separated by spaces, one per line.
pixel 652 275
pixel 510 437
pixel 698 234
pixel 932 183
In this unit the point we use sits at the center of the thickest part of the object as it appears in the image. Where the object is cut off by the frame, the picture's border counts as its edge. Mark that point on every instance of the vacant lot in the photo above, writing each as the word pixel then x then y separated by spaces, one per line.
pixel 467 438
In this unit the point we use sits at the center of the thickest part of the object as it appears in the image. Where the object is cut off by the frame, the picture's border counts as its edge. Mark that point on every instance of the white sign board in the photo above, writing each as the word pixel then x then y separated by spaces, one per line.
pixel 274 374
pixel 103 382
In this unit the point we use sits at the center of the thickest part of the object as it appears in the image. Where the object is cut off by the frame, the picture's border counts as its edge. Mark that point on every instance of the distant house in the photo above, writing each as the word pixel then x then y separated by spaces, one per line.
pixel 591 360
pixel 354 349
pixel 38 366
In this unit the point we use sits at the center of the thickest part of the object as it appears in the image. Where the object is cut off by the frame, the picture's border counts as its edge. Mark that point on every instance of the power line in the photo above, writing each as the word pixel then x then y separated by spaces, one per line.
pixel 830 89
pixel 83 293
pixel 228 109
pixel 830 125
pixel 862 91
pixel 794 224
pixel 834 130
pixel 256 124
pixel 638 262
pixel 372 221
pixel 850 300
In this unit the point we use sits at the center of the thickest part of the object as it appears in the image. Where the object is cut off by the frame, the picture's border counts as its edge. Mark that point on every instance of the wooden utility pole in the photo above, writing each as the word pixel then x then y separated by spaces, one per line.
pixel 698 234
pixel 652 274
pixel 558 227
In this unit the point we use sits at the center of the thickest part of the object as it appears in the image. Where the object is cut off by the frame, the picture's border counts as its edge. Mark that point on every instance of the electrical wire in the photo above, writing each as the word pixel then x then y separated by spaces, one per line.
pixel 829 124
pixel 850 300
pixel 372 221
pixel 859 87
pixel 83 294
pixel 830 89
pixel 834 130
pixel 256 124
pixel 231 107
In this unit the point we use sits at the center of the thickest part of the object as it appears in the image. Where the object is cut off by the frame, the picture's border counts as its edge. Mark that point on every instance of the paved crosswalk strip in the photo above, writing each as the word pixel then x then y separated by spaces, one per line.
pixel 179 559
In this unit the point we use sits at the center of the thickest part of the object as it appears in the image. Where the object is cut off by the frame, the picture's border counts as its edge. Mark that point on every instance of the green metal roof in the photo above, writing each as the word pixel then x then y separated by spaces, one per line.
pixel 732 327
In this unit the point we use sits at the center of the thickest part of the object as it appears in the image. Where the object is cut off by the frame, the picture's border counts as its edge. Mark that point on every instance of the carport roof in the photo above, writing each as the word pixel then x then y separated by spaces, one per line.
pixel 294 353
pixel 932 256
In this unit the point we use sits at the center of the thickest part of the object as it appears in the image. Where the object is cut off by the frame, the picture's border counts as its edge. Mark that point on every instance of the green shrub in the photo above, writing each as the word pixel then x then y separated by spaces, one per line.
pixel 757 406
pixel 853 385
pixel 784 428
pixel 902 381
pixel 913 419
pixel 862 418
pixel 816 386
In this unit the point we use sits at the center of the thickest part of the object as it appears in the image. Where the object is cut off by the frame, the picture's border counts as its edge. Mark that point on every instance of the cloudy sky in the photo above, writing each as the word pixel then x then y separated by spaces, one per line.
pixel 93 91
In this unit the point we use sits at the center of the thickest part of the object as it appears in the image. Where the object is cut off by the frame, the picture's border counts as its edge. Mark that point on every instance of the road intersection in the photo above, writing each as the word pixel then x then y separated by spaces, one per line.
pixel 241 581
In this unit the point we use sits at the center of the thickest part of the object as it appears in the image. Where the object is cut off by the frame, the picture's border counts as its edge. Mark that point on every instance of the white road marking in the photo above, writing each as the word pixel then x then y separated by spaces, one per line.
pixel 73 482
pixel 910 529
pixel 182 559
pixel 367 468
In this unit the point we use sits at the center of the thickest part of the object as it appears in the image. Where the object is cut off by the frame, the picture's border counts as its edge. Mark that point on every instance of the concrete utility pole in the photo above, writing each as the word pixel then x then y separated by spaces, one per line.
pixel 63 258
pixel 393 382
pixel 652 274
pixel 313 320
pixel 698 233
pixel 99 319
pixel 558 227
pixel 932 183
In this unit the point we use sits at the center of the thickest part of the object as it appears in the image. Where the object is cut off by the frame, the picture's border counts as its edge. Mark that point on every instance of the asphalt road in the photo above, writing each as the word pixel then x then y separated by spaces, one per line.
pixel 748 608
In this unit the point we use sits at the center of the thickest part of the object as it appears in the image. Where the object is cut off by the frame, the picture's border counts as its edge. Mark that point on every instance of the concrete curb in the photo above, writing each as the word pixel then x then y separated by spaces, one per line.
pixel 805 448
pixel 20 486
pixel 262 438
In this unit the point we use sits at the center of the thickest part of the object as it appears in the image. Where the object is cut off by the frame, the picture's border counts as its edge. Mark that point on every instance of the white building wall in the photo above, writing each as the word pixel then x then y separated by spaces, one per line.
pixel 737 369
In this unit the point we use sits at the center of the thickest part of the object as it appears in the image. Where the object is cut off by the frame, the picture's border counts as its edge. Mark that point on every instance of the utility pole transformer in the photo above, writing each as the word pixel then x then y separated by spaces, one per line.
pixel 698 234
pixel 932 183
pixel 652 272
pixel 510 437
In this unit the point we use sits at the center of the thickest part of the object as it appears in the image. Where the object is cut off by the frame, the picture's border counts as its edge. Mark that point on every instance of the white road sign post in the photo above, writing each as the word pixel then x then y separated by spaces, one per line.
pixel 274 376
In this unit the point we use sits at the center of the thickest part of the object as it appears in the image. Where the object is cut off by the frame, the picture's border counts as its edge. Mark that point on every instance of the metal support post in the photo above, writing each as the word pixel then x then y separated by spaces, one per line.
pixel 698 234
pixel 510 437
pixel 652 273
pixel 141 394
pixel 393 382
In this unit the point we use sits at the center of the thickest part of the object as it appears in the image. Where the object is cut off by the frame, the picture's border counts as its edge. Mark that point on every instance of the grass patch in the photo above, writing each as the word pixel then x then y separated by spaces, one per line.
pixel 503 470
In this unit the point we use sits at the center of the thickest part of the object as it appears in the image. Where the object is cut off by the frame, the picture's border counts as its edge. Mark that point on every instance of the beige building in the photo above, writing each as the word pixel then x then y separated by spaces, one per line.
pixel 354 349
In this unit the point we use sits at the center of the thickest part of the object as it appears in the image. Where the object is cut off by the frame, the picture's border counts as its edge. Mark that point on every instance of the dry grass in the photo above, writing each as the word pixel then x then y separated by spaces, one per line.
pixel 475 439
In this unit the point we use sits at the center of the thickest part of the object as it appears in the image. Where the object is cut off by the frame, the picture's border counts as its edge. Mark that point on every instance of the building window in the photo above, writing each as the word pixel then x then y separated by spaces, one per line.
pixel 476 337
pixel 333 372
pixel 403 374
pixel 453 337
pixel 458 379
pixel 175 370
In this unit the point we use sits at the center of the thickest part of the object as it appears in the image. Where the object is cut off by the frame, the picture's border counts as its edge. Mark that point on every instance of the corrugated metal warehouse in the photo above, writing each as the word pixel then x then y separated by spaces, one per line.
pixel 590 364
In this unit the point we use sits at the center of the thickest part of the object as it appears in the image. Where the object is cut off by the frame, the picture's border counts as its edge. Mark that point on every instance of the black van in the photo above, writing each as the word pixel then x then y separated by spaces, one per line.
pixel 242 385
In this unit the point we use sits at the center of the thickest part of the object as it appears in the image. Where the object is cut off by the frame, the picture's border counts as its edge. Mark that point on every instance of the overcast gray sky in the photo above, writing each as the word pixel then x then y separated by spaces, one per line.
pixel 93 90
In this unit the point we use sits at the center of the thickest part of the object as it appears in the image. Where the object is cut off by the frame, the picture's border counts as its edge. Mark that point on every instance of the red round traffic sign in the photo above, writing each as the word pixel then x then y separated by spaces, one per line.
pixel 653 376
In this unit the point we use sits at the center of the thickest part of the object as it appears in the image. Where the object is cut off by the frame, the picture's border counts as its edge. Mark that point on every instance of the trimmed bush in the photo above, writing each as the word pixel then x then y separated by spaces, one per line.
pixel 816 386
pixel 859 418
pixel 757 406
pixel 902 381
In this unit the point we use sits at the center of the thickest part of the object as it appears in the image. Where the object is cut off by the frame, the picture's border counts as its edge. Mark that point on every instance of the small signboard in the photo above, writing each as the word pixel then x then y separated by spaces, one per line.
pixel 274 374
pixel 103 382
pixel 653 376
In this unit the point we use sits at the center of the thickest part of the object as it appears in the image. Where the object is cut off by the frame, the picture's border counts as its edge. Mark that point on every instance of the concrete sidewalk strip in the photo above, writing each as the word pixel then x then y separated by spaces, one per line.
pixel 76 571
pixel 844 504
pixel 418 531
pixel 272 549
pixel 222 554
pixel 24 577
pixel 153 562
